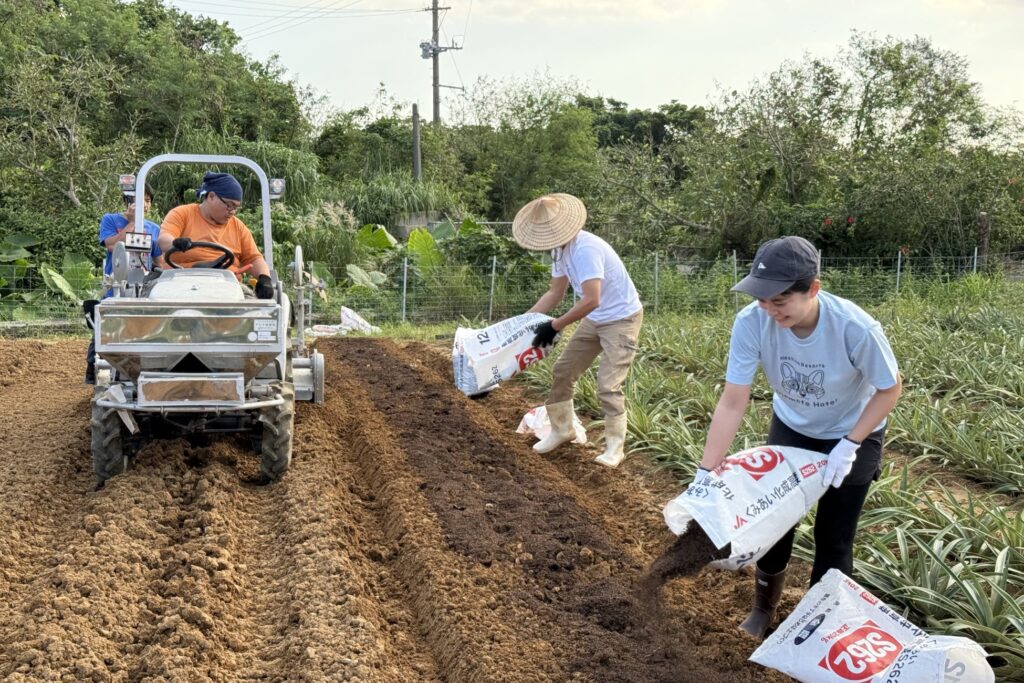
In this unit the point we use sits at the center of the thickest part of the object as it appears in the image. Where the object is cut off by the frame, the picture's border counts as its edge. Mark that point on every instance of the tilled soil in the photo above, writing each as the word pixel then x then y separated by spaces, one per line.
pixel 416 538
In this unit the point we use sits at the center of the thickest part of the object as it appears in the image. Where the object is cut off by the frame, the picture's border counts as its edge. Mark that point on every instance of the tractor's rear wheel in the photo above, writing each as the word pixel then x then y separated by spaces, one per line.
pixel 278 428
pixel 108 457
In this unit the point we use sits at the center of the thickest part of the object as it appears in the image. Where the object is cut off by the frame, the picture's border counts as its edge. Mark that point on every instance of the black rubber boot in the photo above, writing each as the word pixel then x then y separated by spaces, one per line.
pixel 90 363
pixel 767 593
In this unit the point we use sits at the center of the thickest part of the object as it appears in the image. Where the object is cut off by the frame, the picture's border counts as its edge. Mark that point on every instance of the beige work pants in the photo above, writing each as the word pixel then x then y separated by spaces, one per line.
pixel 616 343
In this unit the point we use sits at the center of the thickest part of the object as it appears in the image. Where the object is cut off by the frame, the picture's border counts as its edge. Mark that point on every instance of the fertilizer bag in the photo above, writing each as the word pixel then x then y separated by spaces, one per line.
pixel 840 633
pixel 750 501
pixel 465 381
pixel 483 358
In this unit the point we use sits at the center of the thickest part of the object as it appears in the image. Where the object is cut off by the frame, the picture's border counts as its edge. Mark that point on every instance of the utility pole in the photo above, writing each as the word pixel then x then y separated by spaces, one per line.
pixel 432 50
pixel 435 40
pixel 416 167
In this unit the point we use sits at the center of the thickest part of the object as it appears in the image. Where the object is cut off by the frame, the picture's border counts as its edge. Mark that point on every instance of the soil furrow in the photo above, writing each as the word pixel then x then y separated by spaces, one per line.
pixel 462 607
pixel 415 538
pixel 627 503
pixel 493 511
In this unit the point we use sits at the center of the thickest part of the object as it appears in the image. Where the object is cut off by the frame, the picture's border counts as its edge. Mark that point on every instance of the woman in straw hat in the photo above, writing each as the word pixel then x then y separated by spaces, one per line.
pixel 608 308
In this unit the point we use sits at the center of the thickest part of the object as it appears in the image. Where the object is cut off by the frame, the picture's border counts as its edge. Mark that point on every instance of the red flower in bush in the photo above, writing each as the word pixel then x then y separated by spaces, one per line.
pixel 828 221
pixel 850 220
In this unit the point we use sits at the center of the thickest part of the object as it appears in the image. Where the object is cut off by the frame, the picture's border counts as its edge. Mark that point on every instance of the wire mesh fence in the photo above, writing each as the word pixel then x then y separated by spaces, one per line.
pixel 481 293
pixel 488 293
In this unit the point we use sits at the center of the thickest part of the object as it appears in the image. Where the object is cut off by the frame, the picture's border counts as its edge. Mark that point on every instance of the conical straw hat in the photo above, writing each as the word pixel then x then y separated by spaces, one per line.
pixel 549 221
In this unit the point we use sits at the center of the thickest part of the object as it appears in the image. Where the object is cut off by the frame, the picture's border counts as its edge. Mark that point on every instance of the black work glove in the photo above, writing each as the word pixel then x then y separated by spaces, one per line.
pixel 264 288
pixel 182 243
pixel 89 308
pixel 152 275
pixel 545 336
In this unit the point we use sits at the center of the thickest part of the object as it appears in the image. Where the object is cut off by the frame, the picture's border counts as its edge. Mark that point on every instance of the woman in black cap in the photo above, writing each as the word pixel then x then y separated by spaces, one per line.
pixel 834 381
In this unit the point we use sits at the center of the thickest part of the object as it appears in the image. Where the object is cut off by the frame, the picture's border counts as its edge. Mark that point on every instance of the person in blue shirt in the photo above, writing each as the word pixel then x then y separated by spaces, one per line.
pixel 113 227
pixel 834 381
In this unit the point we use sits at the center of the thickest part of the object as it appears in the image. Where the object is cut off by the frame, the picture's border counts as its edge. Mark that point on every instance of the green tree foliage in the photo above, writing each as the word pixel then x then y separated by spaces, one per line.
pixel 523 139
pixel 614 123
pixel 886 145
pixel 93 87
pixel 55 107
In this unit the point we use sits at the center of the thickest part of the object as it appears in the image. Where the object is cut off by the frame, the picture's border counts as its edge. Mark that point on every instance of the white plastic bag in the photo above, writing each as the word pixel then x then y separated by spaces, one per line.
pixel 537 422
pixel 350 322
pixel 496 353
pixel 353 322
pixel 840 633
pixel 751 500
pixel 465 380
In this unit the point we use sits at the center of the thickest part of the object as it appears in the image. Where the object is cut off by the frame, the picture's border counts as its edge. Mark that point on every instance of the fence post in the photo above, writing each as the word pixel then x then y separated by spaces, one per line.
pixel 975 268
pixel 657 273
pixel 405 283
pixel 735 281
pixel 899 268
pixel 494 270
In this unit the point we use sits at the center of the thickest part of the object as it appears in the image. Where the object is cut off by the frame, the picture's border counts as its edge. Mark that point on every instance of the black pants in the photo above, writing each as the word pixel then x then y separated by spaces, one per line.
pixel 838 510
pixel 88 308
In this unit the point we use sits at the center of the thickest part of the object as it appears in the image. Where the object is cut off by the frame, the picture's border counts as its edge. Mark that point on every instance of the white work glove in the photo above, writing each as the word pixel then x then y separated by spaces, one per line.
pixel 701 486
pixel 840 462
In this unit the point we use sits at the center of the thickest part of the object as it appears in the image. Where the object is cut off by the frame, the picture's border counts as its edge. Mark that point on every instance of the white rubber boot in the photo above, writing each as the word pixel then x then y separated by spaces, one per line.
pixel 560 415
pixel 614 441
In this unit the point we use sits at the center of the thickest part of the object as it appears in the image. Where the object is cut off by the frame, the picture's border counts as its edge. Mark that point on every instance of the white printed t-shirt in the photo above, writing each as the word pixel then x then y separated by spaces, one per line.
pixel 588 257
pixel 821 383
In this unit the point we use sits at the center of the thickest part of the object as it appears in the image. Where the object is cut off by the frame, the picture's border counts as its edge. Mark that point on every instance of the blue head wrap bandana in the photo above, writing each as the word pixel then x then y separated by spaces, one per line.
pixel 222 184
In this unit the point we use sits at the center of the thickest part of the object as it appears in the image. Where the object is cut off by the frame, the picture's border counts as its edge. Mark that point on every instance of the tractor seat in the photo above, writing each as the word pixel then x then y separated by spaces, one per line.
pixel 196 284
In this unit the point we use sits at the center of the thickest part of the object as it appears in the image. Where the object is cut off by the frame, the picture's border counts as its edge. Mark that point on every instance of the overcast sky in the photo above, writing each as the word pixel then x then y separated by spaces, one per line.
pixel 645 52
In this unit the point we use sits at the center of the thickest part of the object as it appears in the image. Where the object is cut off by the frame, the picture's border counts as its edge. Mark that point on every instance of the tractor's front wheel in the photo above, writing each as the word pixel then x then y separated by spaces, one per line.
pixel 108 458
pixel 278 428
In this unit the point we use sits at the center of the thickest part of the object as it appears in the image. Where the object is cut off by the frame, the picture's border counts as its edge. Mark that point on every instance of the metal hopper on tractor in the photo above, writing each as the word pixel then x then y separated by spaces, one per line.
pixel 188 352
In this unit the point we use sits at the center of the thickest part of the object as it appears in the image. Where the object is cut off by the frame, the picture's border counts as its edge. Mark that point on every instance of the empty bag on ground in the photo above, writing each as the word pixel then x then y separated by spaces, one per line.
pixel 537 422
pixel 483 358
pixel 750 501
pixel 841 633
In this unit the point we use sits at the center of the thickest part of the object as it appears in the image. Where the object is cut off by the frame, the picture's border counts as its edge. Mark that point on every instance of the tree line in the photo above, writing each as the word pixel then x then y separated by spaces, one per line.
pixel 886 144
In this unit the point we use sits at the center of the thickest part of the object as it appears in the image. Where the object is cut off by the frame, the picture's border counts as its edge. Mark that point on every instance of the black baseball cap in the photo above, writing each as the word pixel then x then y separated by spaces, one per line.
pixel 778 265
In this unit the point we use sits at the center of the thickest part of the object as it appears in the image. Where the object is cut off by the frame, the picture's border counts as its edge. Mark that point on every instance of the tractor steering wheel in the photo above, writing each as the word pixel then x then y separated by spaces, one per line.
pixel 223 262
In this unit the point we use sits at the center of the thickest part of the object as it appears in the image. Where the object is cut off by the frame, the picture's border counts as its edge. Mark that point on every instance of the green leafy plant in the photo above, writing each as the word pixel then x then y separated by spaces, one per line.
pixel 75 281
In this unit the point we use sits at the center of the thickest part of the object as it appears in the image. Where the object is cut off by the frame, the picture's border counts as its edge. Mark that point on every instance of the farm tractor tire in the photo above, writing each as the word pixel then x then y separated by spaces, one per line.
pixel 278 429
pixel 108 454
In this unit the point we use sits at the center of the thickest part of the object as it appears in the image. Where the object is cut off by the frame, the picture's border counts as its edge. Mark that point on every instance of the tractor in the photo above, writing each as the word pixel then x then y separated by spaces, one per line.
pixel 189 351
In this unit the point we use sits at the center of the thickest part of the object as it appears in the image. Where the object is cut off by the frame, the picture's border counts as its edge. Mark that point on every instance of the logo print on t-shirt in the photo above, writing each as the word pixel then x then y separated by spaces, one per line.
pixel 797 382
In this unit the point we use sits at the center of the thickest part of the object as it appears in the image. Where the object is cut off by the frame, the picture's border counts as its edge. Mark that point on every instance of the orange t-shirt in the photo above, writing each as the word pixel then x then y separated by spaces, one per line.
pixel 187 221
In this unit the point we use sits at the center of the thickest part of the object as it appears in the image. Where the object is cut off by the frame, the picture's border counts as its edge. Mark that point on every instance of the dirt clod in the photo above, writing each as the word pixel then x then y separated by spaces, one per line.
pixel 688 554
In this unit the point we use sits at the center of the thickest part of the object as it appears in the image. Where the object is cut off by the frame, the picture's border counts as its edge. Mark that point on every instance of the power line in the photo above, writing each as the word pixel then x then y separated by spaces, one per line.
pixel 291 19
pixel 304 14
pixel 454 63
pixel 298 21
pixel 282 7
pixel 325 13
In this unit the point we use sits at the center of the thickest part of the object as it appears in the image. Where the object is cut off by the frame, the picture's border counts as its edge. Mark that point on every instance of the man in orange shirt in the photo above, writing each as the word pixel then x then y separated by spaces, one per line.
pixel 213 220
